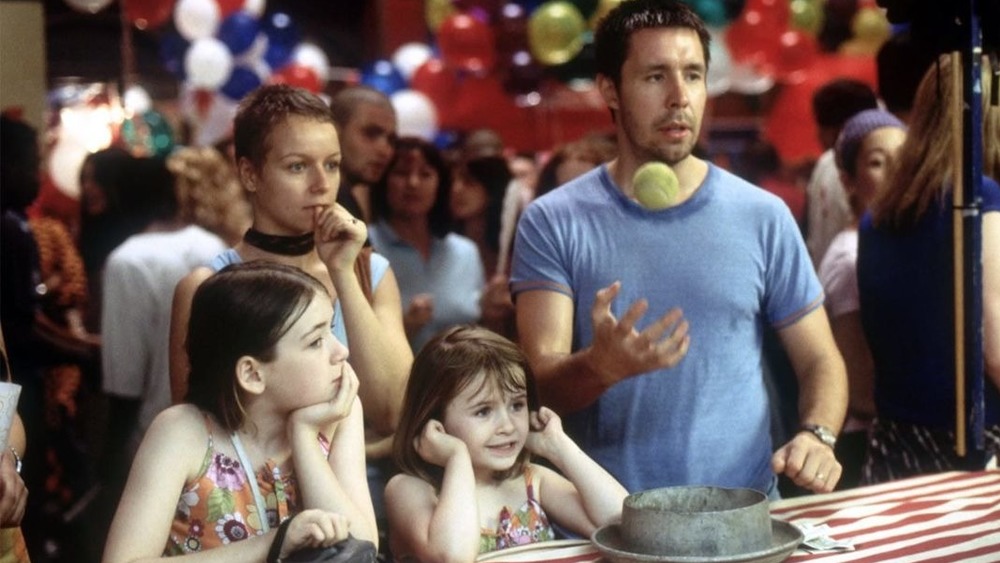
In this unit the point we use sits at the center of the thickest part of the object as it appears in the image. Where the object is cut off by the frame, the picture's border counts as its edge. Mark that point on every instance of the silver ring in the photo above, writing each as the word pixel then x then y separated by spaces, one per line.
pixel 819 476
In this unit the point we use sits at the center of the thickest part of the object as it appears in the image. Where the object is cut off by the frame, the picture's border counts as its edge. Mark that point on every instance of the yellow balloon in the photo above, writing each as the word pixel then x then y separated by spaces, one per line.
pixel 602 9
pixel 436 11
pixel 807 15
pixel 871 26
pixel 555 32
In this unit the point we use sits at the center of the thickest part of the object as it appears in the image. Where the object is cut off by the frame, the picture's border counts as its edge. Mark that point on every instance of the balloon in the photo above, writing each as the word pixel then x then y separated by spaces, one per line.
pixel 210 115
pixel 238 32
pixel 869 25
pixel 310 55
pixel 409 57
pixel 227 7
pixel 555 32
pixel 88 6
pixel 753 39
pixel 603 7
pixel 196 19
pixel 436 11
pixel 717 80
pixel 299 76
pixel 172 50
pixel 746 79
pixel 530 5
pixel 208 63
pixel 148 14
pixel 415 114
pixel 436 81
pixel 383 76
pixel 712 11
pixel 136 100
pixel 255 7
pixel 586 7
pixel 797 54
pixel 282 37
pixel 466 43
pixel 807 15
pixel 241 82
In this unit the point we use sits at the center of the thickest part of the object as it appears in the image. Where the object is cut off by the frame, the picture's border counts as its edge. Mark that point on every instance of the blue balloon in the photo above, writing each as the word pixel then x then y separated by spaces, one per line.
pixel 172 50
pixel 446 139
pixel 238 31
pixel 529 5
pixel 241 82
pixel 383 76
pixel 282 38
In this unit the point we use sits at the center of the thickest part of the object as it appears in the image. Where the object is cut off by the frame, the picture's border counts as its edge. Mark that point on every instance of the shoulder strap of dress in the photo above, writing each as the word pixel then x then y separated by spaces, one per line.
pixel 529 482
pixel 208 430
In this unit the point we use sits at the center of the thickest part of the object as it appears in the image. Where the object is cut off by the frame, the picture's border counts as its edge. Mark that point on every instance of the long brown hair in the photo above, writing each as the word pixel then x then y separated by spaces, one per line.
pixel 442 369
pixel 923 169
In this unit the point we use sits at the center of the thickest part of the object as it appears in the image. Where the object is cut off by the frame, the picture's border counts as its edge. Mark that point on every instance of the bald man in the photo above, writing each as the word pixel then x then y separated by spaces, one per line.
pixel 366 124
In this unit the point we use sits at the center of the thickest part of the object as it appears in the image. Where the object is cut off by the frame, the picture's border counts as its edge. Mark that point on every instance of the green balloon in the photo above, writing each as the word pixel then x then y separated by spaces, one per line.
pixel 555 32
pixel 807 15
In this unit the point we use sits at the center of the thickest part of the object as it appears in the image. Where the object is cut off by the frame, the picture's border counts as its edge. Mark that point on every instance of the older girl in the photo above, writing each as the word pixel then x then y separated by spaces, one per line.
pixel 272 439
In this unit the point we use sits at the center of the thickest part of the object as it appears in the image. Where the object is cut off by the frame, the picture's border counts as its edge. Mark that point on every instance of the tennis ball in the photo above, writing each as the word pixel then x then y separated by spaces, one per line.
pixel 655 186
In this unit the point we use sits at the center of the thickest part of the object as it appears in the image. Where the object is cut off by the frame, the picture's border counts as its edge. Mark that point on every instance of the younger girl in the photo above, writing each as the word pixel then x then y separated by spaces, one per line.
pixel 273 436
pixel 470 421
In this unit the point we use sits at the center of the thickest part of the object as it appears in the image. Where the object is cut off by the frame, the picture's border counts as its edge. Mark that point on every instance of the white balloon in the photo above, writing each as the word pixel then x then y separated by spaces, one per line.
pixel 89 6
pixel 745 80
pixel 197 19
pixel 137 100
pixel 408 58
pixel 310 55
pixel 415 114
pixel 719 69
pixel 254 7
pixel 208 63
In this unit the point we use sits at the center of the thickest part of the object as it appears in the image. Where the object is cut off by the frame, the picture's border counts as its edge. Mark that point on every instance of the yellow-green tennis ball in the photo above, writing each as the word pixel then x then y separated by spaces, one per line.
pixel 655 186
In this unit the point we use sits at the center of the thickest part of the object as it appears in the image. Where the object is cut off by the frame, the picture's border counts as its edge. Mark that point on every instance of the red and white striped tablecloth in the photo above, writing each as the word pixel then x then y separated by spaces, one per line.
pixel 944 518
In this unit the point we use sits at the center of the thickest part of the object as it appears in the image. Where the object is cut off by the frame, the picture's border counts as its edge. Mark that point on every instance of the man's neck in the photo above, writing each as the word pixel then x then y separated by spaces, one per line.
pixel 691 173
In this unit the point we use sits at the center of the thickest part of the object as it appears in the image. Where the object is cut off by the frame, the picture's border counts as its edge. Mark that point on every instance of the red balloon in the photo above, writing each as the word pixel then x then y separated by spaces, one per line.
pixel 754 39
pixel 466 43
pixel 298 75
pixel 148 14
pixel 797 53
pixel 437 82
pixel 227 7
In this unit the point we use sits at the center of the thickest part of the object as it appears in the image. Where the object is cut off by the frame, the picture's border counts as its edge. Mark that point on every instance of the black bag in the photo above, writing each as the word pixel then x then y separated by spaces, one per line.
pixel 351 550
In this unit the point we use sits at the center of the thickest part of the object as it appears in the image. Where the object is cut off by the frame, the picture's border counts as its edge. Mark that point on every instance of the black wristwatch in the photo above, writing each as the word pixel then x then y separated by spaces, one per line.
pixel 824 434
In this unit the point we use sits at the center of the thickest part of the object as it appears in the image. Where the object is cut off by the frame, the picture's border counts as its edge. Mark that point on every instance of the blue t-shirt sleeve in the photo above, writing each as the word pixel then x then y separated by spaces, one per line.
pixel 793 288
pixel 537 261
pixel 379 266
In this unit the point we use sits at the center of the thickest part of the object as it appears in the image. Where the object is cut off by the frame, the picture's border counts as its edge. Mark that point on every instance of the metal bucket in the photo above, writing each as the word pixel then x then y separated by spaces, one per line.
pixel 696 521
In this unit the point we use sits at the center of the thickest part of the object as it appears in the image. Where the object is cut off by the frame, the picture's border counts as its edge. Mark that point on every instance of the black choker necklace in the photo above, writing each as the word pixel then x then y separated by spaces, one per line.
pixel 277 244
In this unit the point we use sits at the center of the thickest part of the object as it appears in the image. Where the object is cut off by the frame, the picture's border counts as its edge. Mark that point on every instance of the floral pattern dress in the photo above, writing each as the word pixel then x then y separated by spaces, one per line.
pixel 529 524
pixel 218 508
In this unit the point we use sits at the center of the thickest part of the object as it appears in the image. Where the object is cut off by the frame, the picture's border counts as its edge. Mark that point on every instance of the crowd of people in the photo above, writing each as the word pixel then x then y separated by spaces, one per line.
pixel 347 335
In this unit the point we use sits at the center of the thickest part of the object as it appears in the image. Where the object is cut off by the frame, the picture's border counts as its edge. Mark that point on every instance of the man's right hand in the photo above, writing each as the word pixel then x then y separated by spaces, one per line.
pixel 619 351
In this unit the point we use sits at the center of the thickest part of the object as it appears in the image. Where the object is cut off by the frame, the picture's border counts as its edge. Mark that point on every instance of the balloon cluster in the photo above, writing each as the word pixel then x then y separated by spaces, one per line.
pixel 484 50
pixel 223 49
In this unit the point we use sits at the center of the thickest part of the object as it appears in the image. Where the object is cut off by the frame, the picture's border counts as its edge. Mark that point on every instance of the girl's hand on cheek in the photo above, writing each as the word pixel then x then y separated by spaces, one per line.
pixel 314 528
pixel 322 415
pixel 436 446
pixel 546 433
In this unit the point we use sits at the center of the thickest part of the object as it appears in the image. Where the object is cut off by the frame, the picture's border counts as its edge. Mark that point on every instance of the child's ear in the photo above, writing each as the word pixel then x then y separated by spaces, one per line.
pixel 249 376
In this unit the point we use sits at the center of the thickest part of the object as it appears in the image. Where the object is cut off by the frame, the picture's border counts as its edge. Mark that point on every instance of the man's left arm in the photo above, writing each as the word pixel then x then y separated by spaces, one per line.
pixel 822 377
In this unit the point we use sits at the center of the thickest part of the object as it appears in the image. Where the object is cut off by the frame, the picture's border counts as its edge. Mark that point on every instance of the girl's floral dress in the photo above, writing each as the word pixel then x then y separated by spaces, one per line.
pixel 218 507
pixel 529 524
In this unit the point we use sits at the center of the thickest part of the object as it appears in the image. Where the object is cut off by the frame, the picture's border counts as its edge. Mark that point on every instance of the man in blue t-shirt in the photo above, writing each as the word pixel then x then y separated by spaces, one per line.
pixel 678 399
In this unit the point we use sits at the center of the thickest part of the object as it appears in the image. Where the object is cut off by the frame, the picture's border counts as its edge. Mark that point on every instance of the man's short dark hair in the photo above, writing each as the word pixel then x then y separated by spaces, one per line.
pixel 611 40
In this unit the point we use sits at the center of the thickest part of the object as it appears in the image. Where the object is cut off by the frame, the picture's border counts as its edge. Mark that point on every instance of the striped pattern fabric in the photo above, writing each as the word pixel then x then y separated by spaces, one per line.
pixel 941 518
